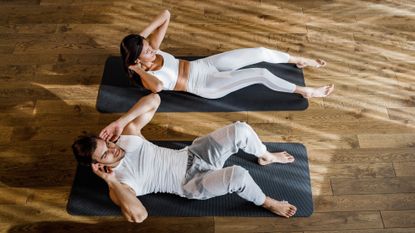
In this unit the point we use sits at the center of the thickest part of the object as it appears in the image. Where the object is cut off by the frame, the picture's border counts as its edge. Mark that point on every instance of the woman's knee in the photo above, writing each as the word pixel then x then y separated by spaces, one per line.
pixel 261 51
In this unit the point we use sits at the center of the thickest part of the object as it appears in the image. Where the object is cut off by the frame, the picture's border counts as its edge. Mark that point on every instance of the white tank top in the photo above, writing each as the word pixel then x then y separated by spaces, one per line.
pixel 169 72
pixel 148 168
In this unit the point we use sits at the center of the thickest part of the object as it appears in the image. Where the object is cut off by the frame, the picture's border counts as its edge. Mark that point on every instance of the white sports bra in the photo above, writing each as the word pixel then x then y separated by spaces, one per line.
pixel 169 72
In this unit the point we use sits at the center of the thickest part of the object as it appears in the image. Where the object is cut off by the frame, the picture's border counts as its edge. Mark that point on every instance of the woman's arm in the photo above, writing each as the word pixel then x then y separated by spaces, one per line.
pixel 157 29
pixel 150 82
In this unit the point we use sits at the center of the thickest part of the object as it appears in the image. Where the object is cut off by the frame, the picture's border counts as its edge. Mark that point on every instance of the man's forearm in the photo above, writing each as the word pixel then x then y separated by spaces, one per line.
pixel 144 105
pixel 130 206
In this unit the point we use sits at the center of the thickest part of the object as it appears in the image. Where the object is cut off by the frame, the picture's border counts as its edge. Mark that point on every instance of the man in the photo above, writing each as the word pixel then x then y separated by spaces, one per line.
pixel 134 166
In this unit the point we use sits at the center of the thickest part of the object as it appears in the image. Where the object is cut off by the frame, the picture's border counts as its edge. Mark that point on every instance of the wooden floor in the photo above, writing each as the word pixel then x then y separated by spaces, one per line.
pixel 361 139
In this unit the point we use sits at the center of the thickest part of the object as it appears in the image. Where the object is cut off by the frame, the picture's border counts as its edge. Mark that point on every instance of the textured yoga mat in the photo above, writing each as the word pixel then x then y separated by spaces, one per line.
pixel 116 93
pixel 89 194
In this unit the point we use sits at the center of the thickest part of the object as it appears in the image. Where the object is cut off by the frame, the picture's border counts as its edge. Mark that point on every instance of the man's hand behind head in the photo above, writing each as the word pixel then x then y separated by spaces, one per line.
pixel 111 132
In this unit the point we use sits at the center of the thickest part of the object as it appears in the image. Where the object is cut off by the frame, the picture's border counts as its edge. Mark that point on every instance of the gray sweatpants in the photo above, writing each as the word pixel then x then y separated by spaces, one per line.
pixel 206 177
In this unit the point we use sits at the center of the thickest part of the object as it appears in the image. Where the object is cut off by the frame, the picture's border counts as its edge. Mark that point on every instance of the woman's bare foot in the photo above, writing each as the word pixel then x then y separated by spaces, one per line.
pixel 282 208
pixel 304 62
pixel 279 157
pixel 311 92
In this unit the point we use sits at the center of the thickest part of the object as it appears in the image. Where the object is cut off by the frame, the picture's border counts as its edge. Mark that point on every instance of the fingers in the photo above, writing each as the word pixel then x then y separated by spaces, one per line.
pixel 96 168
pixel 106 135
pixel 103 134
pixel 135 66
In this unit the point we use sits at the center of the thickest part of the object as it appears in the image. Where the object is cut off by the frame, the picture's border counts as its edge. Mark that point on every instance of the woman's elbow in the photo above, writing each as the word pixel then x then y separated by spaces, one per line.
pixel 157 88
pixel 167 13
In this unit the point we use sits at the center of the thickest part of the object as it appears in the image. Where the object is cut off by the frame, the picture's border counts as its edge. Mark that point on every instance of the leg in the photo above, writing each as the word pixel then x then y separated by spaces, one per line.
pixel 216 147
pixel 229 180
pixel 237 179
pixel 219 84
pixel 235 59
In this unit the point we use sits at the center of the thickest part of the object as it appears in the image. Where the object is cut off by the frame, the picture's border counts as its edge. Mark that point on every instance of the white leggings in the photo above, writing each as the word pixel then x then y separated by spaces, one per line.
pixel 218 75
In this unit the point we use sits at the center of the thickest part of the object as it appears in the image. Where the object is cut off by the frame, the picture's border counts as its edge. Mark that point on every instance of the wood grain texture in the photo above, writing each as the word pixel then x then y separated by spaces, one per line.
pixel 360 140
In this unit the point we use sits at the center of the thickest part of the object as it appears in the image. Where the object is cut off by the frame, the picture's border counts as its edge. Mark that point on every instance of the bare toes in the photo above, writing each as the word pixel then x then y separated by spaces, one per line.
pixel 321 62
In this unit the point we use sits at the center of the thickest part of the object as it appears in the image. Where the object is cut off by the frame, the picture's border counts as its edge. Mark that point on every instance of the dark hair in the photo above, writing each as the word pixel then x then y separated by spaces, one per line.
pixel 130 49
pixel 83 148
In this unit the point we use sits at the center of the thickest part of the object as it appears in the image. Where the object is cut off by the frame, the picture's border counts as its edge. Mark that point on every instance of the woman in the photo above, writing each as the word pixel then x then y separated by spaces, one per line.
pixel 211 77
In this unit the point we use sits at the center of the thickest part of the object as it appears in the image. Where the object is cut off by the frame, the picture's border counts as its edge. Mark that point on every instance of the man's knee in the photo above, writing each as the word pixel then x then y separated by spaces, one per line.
pixel 238 178
pixel 242 129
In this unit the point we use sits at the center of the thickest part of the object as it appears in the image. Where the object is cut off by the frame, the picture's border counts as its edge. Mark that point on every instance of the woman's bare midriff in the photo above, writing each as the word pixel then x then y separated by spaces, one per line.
pixel 183 76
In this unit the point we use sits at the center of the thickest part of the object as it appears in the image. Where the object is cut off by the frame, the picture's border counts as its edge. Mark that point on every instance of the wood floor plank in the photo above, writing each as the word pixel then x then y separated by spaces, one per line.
pixel 316 115
pixel 389 230
pixel 401 218
pixel 81 106
pixel 403 114
pixel 152 224
pixel 318 221
pixel 404 169
pixel 386 140
pixel 368 127
pixel 399 201
pixel 361 155
pixel 352 170
pixel 320 185
pixel 345 186
pixel 25 149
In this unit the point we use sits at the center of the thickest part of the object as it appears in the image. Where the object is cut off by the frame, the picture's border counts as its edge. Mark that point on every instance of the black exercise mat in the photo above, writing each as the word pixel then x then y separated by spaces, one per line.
pixel 89 194
pixel 116 93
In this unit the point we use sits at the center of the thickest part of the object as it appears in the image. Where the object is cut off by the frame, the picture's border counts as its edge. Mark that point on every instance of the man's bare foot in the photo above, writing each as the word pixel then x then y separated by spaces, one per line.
pixel 281 208
pixel 304 62
pixel 311 92
pixel 279 157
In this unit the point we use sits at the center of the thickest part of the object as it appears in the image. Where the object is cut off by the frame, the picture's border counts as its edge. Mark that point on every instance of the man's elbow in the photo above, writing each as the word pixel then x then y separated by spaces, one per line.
pixel 138 217
pixel 156 100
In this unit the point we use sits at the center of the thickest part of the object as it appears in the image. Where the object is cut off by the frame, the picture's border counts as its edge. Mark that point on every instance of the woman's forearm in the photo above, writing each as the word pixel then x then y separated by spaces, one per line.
pixel 150 81
pixel 160 20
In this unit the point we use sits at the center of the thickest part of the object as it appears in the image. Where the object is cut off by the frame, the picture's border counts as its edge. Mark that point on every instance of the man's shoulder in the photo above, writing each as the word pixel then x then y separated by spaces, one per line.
pixel 130 143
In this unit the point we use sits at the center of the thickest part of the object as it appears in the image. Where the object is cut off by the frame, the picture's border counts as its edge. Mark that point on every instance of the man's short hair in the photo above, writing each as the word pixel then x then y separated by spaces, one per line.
pixel 83 148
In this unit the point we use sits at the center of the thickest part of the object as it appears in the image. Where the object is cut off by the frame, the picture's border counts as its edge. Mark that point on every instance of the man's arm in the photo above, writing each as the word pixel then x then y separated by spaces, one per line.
pixel 157 29
pixel 122 195
pixel 134 120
